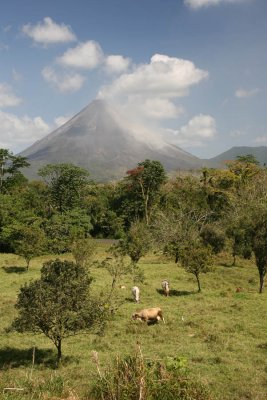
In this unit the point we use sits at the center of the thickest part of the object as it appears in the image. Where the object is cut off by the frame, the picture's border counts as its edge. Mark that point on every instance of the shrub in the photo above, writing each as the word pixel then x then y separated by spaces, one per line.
pixel 133 378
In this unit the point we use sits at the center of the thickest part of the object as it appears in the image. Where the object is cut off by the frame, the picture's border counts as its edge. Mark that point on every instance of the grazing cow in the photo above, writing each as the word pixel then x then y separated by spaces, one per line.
pixel 149 315
pixel 136 293
pixel 166 287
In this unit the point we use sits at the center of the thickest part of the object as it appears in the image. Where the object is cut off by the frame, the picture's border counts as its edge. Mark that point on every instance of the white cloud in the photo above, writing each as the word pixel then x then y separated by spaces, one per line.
pixel 7 98
pixel 20 132
pixel 198 129
pixel 86 55
pixel 116 64
pixel 61 120
pixel 147 93
pixel 153 108
pixel 48 32
pixel 242 93
pixel 64 82
pixel 164 76
pixel 261 139
pixel 197 4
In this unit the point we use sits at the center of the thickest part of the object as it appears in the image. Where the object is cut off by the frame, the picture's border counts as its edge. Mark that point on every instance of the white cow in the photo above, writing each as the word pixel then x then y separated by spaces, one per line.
pixel 166 287
pixel 136 293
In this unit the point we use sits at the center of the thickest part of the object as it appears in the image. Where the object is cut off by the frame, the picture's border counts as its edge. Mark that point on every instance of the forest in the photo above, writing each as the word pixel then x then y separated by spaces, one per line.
pixel 195 222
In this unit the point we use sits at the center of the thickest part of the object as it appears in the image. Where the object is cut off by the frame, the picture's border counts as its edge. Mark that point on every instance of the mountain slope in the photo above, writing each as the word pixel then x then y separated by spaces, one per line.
pixel 98 140
pixel 260 153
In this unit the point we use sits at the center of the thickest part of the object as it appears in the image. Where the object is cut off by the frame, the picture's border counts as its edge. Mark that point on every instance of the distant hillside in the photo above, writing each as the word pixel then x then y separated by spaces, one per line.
pixel 260 153
pixel 99 140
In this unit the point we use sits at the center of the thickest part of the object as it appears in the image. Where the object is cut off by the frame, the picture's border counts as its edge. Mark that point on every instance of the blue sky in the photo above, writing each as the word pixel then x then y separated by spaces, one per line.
pixel 190 71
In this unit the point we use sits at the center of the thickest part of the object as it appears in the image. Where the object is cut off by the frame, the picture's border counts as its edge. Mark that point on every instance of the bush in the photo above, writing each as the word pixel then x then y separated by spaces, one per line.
pixel 133 378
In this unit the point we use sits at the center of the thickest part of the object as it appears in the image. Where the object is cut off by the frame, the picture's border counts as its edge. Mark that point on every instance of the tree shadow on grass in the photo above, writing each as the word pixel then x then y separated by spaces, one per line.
pixel 262 346
pixel 14 269
pixel 227 265
pixel 174 292
pixel 11 357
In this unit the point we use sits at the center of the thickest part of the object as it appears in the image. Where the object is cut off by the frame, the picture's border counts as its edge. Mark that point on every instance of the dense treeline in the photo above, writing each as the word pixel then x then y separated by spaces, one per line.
pixel 188 217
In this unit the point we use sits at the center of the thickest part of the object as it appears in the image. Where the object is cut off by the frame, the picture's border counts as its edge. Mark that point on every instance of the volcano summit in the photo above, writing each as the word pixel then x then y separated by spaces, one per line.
pixel 99 140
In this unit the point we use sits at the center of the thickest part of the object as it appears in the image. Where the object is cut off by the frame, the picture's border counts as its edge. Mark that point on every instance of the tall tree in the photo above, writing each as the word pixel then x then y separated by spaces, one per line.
pixel 146 180
pixel 10 166
pixel 66 184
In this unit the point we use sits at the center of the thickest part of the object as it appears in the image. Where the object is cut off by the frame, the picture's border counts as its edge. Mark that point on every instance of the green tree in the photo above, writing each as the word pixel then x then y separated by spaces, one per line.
pixel 100 203
pixel 245 168
pixel 145 181
pixel 248 158
pixel 137 241
pixel 9 169
pixel 30 243
pixel 240 240
pixel 196 259
pixel 58 304
pixel 136 244
pixel 83 251
pixel 214 236
pixel 116 266
pixel 66 184
pixel 63 229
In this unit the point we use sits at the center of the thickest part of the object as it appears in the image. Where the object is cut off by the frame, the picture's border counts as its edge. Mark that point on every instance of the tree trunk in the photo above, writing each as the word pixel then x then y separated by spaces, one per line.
pixel 198 283
pixel 59 354
pixel 146 210
pixel 145 198
pixel 234 259
pixel 261 282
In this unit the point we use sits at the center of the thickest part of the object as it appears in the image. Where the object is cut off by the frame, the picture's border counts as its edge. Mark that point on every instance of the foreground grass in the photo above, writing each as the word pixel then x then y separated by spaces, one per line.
pixel 221 333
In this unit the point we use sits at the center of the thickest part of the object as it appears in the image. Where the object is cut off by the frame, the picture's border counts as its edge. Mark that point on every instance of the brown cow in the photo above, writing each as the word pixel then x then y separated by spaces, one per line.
pixel 149 315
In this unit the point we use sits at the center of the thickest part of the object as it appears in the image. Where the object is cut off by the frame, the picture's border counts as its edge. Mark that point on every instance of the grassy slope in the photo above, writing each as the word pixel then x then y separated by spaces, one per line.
pixel 222 333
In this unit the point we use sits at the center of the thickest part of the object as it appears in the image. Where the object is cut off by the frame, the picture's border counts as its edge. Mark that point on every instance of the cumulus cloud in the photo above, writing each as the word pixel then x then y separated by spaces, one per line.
pixel 242 93
pixel 164 76
pixel 148 92
pixel 197 4
pixel 86 55
pixel 198 129
pixel 151 108
pixel 49 32
pixel 7 98
pixel 116 64
pixel 20 131
pixel 64 82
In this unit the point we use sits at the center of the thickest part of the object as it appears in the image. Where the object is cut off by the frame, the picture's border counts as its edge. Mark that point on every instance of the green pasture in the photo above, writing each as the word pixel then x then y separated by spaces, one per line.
pixel 221 333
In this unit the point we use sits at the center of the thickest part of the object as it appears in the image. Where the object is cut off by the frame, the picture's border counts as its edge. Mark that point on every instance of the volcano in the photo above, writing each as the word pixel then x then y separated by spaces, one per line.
pixel 100 140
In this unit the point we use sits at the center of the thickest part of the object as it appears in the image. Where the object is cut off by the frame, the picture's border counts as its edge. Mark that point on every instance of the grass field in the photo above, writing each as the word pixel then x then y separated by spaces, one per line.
pixel 222 334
